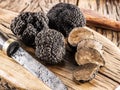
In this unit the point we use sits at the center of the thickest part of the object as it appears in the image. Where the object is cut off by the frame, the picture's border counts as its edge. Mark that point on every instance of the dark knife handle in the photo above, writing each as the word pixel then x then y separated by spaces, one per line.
pixel 8 45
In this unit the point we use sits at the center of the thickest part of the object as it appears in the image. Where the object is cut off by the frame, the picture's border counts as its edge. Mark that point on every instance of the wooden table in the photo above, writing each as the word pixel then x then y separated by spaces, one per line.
pixel 13 76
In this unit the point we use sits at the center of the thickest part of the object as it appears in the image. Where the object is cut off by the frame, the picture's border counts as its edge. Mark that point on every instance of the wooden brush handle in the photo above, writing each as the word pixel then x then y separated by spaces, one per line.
pixel 8 45
pixel 98 20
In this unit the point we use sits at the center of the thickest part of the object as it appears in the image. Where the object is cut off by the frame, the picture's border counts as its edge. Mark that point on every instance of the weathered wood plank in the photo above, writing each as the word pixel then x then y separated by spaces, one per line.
pixel 107 79
pixel 31 5
pixel 95 19
pixel 100 82
pixel 109 8
pixel 14 77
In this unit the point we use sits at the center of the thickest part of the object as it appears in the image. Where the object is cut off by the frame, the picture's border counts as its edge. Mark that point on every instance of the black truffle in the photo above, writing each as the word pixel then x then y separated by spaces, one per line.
pixel 50 46
pixel 27 24
pixel 64 17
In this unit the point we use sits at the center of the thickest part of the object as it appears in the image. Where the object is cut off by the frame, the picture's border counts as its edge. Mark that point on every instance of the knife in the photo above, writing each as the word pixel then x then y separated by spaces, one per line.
pixel 12 49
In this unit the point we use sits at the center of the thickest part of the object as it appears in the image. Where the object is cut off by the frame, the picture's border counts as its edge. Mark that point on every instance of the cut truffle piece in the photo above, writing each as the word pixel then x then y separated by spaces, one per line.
pixel 89 55
pixel 84 73
pixel 89 51
pixel 78 34
pixel 64 17
pixel 91 43
pixel 50 46
pixel 27 24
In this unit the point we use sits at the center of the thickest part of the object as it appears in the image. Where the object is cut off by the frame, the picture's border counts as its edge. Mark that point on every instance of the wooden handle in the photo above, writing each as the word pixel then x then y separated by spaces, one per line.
pixel 8 45
pixel 98 20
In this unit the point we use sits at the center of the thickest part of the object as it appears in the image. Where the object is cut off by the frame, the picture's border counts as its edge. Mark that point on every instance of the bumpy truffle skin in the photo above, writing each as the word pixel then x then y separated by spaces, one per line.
pixel 27 24
pixel 50 46
pixel 64 17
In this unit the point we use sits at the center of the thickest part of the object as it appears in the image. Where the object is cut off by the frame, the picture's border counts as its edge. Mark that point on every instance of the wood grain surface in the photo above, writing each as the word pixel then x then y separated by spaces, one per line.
pixel 15 77
pixel 108 77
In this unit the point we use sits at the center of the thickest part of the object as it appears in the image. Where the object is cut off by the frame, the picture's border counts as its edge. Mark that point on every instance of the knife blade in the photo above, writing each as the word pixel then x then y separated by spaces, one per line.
pixel 12 49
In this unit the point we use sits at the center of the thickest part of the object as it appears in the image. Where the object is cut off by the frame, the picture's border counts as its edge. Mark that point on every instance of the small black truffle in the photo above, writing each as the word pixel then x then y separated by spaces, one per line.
pixel 27 25
pixel 50 46
pixel 64 17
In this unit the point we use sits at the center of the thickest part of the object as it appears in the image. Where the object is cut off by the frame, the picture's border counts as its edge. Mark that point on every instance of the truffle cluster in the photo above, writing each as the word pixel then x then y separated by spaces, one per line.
pixel 33 29
pixel 64 17
pixel 27 25
pixel 50 46
pixel 89 53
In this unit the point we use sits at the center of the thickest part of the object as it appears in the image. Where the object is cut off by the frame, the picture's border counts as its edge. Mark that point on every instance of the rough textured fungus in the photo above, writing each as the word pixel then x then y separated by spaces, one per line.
pixel 27 24
pixel 50 46
pixel 64 17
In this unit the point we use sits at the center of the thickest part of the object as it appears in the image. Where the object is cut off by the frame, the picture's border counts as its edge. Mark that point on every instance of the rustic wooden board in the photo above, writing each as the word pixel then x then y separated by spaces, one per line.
pixel 15 77
pixel 109 8
pixel 107 79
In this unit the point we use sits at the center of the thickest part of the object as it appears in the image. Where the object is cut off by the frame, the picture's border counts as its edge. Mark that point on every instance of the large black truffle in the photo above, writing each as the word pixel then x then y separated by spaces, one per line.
pixel 64 17
pixel 27 24
pixel 50 46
